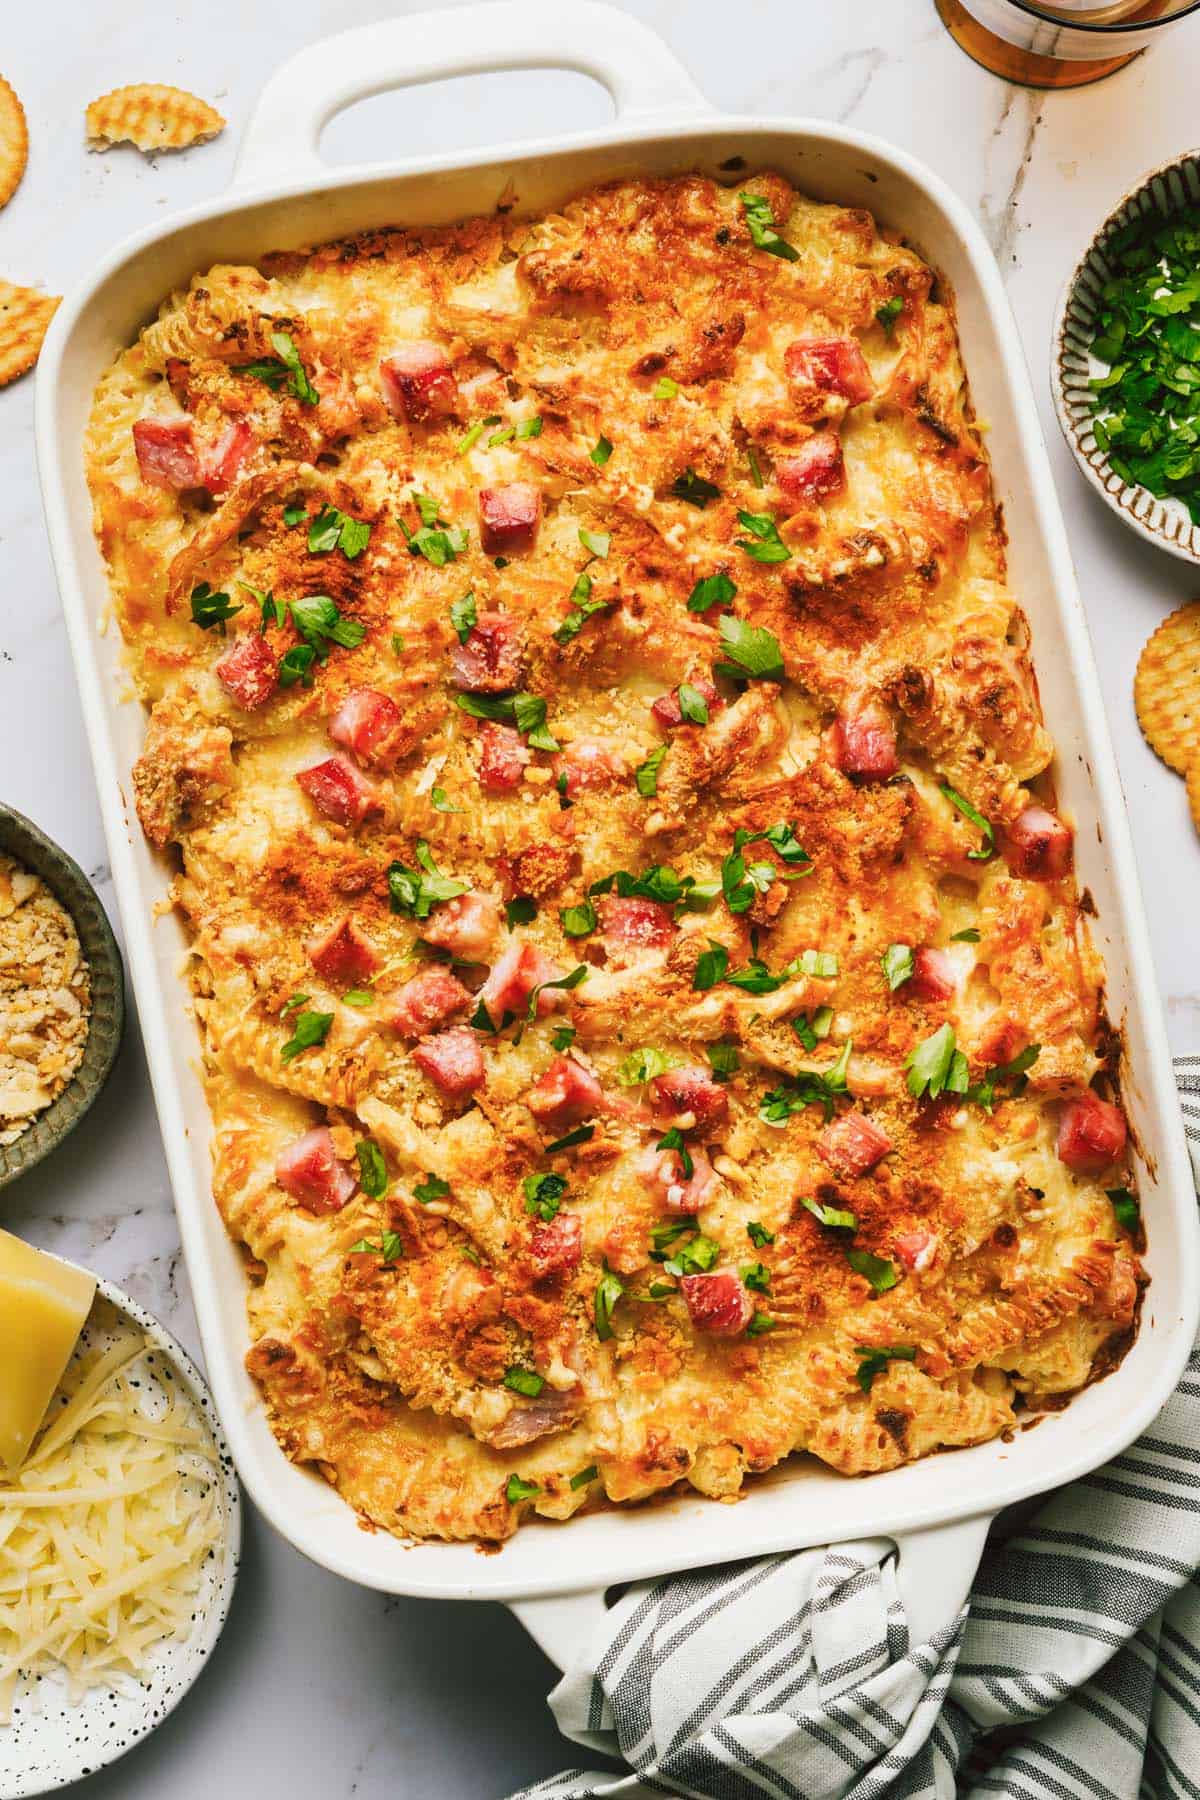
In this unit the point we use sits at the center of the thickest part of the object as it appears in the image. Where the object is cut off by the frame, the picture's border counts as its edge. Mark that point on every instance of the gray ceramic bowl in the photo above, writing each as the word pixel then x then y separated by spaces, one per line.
pixel 1166 190
pixel 21 839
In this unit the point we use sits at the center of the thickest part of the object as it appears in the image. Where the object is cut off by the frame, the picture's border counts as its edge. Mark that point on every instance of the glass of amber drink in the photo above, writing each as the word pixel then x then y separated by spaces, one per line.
pixel 1065 43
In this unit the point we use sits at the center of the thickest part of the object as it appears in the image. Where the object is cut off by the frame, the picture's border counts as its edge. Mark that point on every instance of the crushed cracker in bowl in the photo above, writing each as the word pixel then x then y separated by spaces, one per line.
pixel 45 998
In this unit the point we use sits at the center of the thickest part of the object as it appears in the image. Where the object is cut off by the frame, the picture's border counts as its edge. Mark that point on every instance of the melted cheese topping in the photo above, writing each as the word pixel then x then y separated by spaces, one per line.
pixel 107 1525
pixel 387 1369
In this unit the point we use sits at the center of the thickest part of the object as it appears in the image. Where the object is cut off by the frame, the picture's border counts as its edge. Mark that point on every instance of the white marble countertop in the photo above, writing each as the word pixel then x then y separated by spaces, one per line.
pixel 319 1687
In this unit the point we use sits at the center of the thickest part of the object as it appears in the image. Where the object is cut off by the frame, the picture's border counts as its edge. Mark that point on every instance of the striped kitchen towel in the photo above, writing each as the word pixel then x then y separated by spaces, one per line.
pixel 1072 1673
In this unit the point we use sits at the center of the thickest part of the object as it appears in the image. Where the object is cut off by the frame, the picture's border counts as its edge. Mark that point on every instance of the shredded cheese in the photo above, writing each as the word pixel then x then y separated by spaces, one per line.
pixel 107 1525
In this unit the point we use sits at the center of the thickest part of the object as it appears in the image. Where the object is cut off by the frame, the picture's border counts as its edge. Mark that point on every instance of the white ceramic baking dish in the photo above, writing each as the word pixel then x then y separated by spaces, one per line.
pixel 285 196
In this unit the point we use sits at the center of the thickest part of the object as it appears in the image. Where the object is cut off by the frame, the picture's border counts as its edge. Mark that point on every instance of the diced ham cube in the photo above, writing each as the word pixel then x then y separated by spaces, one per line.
pixel 717 1303
pixel 853 1144
pixel 509 517
pixel 1039 845
pixel 366 722
pixel 521 968
pixel 832 365
pixel 453 1061
pixel 916 1249
pixel 689 1093
pixel 563 1094
pixel 1091 1134
pixel 310 1172
pixel 589 764
pixel 431 999
pixel 814 471
pixel 503 756
pixel 490 660
pixel 679 1193
pixel 343 954
pixel 630 924
pixel 466 926
pixel 667 711
pixel 249 671
pixel 556 1248
pixel 418 382
pixel 934 976
pixel 864 744
pixel 336 789
pixel 166 453
pixel 220 461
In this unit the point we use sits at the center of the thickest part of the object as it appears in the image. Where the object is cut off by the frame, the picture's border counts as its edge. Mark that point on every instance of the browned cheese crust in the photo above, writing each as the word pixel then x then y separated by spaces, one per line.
pixel 642 314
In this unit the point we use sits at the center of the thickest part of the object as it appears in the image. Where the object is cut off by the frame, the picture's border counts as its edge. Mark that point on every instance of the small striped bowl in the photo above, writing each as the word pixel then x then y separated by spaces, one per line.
pixel 1167 523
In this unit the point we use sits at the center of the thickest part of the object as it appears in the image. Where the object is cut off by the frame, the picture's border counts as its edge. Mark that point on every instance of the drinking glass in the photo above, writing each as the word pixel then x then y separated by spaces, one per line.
pixel 1060 44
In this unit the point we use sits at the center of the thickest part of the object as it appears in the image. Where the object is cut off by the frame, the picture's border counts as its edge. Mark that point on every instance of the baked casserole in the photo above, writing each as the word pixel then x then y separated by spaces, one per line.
pixel 647 1012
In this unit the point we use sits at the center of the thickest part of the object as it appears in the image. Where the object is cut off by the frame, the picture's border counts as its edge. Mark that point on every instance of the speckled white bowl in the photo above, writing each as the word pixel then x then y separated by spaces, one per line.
pixel 51 1741
pixel 1165 190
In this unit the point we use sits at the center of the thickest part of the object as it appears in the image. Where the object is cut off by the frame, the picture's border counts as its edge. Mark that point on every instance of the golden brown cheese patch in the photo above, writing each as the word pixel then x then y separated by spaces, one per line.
pixel 447 1341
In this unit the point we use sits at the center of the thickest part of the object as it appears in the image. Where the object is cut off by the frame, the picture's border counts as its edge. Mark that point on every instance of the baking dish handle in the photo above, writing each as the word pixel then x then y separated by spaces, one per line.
pixel 632 62
pixel 934 1573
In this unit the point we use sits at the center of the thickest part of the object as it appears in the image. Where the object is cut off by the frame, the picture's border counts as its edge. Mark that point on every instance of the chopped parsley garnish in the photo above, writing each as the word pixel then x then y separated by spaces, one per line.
pixel 644 1065
pixel 756 978
pixel 936 1066
pixel 308 1030
pixel 983 1092
pixel 674 1140
pixel 723 1060
pixel 521 911
pixel 811 1087
pixel 296 1001
pixel 596 543
pixel 543 1195
pixel 665 388
pixel 667 1232
pixel 758 1234
pixel 464 616
pixel 881 1273
pixel 285 365
pixel 529 428
pixel 271 610
pixel 764 543
pixel 964 806
pixel 562 1037
pixel 756 474
pixel 372 1170
pixel 600 451
pixel 1126 1209
pixel 524 1381
pixel 711 966
pixel 417 891
pixel 441 801
pixel 761 1322
pixel 437 541
pixel 836 1217
pixel 609 1290
pixel 889 312
pixel 526 711
pixel 515 1489
pixel 472 436
pixel 712 590
pixel 295 514
pixel 582 608
pixel 692 704
pixel 320 624
pixel 694 489
pixel 209 608
pixel 397 643
pixel 332 529
pixel 969 936
pixel 897 963
pixel 501 437
pixel 760 222
pixel 579 973
pixel 753 651
pixel 741 881
pixel 661 883
pixel 1146 408
pixel 873 1360
pixel 646 774
pixel 390 1247
pixel 756 1276
pixel 582 1134
pixel 432 1188
pixel 584 1478
pixel 358 997
pixel 811 1031
pixel 578 921
pixel 696 1257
